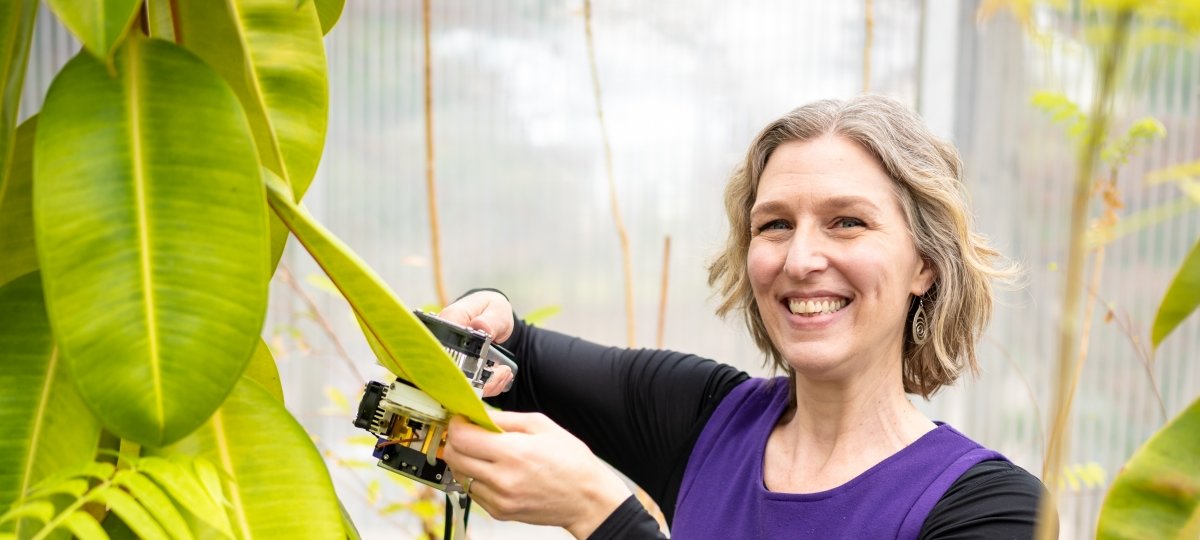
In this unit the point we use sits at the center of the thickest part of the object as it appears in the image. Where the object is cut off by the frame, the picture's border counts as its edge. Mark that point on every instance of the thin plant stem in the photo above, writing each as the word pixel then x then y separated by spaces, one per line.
pixel 435 233
pixel 290 280
pixel 622 234
pixel 662 301
pixel 868 42
pixel 1037 410
pixel 1144 357
pixel 1073 280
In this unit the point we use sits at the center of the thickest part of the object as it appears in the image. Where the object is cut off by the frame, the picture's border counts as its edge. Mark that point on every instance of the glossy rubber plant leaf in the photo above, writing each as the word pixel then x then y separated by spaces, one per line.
pixel 263 370
pixel 273 477
pixel 408 349
pixel 1157 492
pixel 329 11
pixel 273 55
pixel 16 18
pixel 44 425
pixel 18 256
pixel 1182 298
pixel 99 24
pixel 152 236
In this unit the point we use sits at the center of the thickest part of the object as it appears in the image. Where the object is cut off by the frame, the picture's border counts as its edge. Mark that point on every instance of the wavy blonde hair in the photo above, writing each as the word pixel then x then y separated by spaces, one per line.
pixel 927 176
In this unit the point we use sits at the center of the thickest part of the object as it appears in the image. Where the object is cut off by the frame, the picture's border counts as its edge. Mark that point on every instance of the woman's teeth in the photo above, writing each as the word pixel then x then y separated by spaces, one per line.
pixel 815 307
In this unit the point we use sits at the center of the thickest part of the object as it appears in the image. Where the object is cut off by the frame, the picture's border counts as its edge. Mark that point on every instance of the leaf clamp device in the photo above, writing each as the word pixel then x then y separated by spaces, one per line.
pixel 410 425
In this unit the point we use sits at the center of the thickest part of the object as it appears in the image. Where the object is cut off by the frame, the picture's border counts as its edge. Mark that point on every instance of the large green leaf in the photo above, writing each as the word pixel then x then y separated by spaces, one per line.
pixel 272 53
pixel 16 22
pixel 44 425
pixel 1182 298
pixel 1157 493
pixel 99 24
pixel 262 370
pixel 329 11
pixel 17 253
pixel 151 234
pixel 408 349
pixel 274 478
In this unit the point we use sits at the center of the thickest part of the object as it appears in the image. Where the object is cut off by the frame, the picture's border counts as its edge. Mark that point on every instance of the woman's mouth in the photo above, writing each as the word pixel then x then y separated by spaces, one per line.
pixel 811 307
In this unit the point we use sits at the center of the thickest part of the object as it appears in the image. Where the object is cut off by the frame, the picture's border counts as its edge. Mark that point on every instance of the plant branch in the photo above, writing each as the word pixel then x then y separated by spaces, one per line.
pixel 662 301
pixel 1144 357
pixel 1069 330
pixel 1037 410
pixel 290 280
pixel 868 42
pixel 622 235
pixel 435 234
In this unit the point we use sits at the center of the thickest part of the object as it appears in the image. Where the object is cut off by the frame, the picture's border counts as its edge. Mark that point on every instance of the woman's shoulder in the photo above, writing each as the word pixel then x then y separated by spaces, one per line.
pixel 992 499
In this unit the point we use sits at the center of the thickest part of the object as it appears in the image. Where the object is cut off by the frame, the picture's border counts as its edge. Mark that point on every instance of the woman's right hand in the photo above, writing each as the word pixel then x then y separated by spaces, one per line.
pixel 491 312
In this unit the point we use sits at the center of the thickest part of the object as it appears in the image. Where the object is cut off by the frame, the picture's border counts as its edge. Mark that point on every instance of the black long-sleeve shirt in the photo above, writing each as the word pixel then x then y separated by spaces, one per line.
pixel 642 410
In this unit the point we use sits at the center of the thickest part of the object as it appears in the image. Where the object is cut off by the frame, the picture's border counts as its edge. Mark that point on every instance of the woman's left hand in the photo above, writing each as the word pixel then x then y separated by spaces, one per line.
pixel 535 472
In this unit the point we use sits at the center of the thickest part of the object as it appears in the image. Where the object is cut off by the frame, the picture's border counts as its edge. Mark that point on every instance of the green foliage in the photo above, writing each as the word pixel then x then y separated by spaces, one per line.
pixel 100 25
pixel 272 476
pixel 136 248
pixel 16 208
pixel 119 171
pixel 19 16
pixel 1061 110
pixel 149 496
pixel 403 344
pixel 44 425
pixel 1157 493
pixel 1181 299
pixel 1141 133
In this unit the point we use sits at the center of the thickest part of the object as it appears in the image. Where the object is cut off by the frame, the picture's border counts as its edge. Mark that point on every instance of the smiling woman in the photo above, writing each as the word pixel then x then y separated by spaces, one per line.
pixel 851 256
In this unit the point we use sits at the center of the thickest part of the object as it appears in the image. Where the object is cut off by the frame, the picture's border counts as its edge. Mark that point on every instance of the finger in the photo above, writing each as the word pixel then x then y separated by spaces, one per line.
pixel 499 382
pixel 515 422
pixel 463 310
pixel 469 440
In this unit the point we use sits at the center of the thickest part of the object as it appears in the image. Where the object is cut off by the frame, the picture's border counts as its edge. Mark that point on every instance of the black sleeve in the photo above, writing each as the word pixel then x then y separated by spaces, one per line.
pixel 640 410
pixel 992 500
pixel 630 521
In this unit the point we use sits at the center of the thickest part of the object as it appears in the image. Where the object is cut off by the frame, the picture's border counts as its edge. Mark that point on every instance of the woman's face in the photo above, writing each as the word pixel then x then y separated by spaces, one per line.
pixel 831 261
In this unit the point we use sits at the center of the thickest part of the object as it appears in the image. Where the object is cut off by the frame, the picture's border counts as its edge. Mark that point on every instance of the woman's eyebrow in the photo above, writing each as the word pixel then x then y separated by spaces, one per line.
pixel 843 202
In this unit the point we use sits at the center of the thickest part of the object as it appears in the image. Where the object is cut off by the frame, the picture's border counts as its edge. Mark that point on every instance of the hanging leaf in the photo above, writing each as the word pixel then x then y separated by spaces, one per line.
pixel 44 425
pixel 1182 298
pixel 405 346
pixel 98 24
pixel 151 234
pixel 18 256
pixel 262 370
pixel 272 53
pixel 273 477
pixel 1157 493
pixel 17 17
pixel 329 11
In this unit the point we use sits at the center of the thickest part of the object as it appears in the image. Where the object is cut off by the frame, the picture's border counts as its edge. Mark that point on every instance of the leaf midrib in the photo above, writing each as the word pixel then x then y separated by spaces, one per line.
pixel 256 91
pixel 227 463
pixel 35 437
pixel 139 182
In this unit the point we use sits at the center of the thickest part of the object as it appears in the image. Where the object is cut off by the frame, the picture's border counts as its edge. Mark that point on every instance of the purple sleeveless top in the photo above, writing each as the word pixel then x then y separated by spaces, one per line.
pixel 723 496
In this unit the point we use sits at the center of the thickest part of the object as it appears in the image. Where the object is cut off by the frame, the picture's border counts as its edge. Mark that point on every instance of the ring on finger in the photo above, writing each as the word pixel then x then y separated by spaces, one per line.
pixel 467 485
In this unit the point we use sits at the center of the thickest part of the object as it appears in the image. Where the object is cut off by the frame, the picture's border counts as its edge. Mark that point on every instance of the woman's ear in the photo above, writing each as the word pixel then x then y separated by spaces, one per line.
pixel 924 279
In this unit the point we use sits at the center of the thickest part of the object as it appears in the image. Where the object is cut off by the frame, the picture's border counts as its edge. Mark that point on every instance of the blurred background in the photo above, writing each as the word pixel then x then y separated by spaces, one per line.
pixel 524 205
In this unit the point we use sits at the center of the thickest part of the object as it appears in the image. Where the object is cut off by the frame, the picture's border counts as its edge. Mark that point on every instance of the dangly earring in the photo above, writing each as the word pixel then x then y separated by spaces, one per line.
pixel 920 324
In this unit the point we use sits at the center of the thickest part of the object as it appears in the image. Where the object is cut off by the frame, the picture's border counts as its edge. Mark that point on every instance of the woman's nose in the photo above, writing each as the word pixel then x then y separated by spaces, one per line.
pixel 805 255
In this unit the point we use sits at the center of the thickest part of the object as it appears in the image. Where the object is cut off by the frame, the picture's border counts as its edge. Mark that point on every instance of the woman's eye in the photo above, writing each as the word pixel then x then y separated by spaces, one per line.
pixel 848 222
pixel 775 225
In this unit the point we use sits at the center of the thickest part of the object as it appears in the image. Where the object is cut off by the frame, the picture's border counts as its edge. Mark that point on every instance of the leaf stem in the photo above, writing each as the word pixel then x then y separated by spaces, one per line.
pixel 662 301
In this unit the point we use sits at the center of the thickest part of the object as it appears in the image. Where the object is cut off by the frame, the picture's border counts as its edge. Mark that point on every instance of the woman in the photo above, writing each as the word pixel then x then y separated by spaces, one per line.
pixel 851 257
